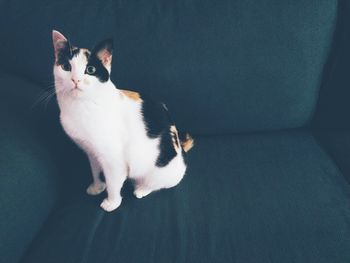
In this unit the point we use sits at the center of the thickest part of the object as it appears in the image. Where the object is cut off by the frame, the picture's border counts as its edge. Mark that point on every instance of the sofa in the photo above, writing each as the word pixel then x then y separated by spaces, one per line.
pixel 263 87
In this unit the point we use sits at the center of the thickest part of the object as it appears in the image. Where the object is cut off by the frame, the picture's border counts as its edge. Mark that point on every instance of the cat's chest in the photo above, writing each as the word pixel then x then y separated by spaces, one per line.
pixel 87 122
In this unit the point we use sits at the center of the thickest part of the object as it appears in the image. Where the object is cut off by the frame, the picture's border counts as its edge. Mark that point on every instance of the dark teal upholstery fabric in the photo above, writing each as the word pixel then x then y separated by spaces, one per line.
pixel 337 144
pixel 28 178
pixel 274 197
pixel 333 105
pixel 221 66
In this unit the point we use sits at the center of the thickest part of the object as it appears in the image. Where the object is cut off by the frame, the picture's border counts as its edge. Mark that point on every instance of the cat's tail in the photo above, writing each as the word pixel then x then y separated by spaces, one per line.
pixel 186 141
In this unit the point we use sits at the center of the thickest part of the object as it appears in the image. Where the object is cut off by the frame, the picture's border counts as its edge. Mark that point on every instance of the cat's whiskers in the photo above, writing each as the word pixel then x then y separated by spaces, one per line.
pixel 48 98
pixel 45 97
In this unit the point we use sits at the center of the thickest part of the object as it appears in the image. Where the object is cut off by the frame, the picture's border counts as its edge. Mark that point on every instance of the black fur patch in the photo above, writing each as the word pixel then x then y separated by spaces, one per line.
pixel 158 123
pixel 182 136
pixel 166 147
pixel 66 53
pixel 101 72
pixel 87 55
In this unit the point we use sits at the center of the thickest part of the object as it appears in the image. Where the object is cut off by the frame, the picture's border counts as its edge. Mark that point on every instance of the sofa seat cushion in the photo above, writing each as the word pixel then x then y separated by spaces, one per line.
pixel 28 172
pixel 273 197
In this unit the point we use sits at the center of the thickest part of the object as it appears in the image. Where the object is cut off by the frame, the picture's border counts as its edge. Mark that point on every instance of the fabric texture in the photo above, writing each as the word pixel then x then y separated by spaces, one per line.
pixel 274 197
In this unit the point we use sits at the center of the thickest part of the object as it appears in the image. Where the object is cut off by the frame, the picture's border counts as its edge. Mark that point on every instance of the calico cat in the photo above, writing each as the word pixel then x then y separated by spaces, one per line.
pixel 124 134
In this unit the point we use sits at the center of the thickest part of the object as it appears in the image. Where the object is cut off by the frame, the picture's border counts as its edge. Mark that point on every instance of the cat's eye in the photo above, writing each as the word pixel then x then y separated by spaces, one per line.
pixel 90 70
pixel 66 67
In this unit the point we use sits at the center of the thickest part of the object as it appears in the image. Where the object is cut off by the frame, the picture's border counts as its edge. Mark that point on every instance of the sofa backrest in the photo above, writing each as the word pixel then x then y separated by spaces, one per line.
pixel 221 66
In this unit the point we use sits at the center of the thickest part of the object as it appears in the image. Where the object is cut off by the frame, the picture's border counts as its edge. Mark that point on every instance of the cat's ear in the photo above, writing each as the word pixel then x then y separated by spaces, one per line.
pixel 59 42
pixel 104 51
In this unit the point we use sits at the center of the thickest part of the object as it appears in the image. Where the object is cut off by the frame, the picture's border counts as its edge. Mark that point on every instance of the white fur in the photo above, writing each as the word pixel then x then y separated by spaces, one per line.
pixel 109 127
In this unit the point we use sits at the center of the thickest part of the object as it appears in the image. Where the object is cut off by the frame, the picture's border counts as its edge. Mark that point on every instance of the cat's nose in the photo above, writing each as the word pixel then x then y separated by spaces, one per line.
pixel 76 81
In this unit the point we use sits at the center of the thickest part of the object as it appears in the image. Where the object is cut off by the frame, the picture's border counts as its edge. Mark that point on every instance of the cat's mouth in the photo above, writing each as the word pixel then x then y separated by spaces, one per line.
pixel 77 88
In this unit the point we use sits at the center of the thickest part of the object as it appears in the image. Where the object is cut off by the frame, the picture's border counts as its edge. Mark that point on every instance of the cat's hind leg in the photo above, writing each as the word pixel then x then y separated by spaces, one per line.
pixel 142 190
pixel 161 177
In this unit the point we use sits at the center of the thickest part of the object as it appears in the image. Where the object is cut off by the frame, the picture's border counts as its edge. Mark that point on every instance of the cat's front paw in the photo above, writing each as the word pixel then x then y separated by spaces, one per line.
pixel 110 205
pixel 96 188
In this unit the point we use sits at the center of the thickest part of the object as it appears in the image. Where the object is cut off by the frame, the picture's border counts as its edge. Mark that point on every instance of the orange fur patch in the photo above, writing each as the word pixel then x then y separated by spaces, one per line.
pixel 135 96
pixel 188 143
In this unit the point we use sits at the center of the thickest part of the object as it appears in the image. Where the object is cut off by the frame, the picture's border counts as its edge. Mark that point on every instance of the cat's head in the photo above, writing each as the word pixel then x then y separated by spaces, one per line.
pixel 78 69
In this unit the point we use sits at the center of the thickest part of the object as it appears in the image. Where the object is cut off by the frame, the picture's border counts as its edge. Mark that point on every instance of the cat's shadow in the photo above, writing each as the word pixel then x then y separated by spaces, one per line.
pixel 127 191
